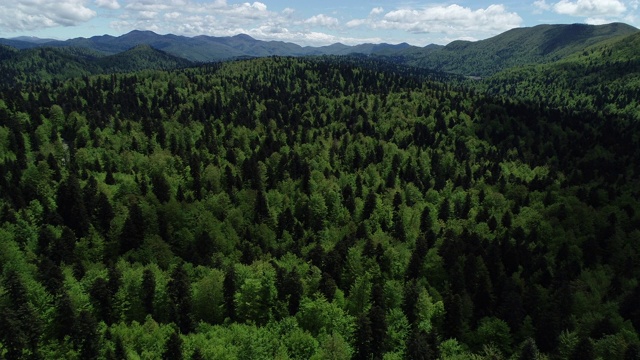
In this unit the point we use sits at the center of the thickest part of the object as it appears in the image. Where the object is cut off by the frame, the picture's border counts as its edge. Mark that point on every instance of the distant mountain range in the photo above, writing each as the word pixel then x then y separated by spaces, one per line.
pixel 148 50
pixel 202 48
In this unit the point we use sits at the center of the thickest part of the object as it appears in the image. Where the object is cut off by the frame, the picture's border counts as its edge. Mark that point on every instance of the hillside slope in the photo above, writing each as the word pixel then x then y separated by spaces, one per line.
pixel 516 47
pixel 42 64
pixel 603 77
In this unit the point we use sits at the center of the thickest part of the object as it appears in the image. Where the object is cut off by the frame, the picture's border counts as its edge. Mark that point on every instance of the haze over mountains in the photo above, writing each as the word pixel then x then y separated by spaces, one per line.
pixel 521 46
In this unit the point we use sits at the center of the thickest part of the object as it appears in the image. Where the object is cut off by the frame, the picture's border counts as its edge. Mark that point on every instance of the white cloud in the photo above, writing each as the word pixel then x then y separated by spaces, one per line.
pixel 322 20
pixel 172 15
pixel 596 21
pixel 108 4
pixel 376 11
pixel 357 22
pixel 147 15
pixel 288 12
pixel 20 15
pixel 461 22
pixel 590 8
pixel 541 5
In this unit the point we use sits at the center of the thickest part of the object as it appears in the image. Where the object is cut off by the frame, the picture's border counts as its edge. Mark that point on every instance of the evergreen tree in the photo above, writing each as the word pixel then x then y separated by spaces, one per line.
pixel 197 354
pixel 363 338
pixel 161 187
pixel 102 300
pixel 64 319
pixel 20 326
pixel 148 291
pixel 86 337
pixel 379 330
pixel 173 347
pixel 529 350
pixel 426 223
pixel 179 290
pixel 584 350
pixel 120 353
pixel 418 346
pixel 133 231
pixel 71 206
pixel 103 213
pixel 229 286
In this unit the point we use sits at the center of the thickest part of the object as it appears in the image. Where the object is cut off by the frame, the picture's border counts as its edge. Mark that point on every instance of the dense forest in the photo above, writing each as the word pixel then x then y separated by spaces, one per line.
pixel 314 208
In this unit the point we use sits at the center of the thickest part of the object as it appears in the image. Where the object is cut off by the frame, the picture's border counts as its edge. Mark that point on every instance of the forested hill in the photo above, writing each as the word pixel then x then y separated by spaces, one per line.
pixel 20 67
pixel 517 47
pixel 601 78
pixel 312 209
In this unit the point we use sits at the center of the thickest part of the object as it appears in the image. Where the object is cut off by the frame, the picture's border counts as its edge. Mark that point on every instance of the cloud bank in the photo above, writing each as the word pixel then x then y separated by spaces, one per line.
pixel 453 20
pixel 416 24
pixel 20 15
pixel 592 11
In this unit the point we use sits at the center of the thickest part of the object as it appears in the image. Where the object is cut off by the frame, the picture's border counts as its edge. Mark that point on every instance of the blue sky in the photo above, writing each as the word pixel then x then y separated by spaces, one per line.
pixel 305 22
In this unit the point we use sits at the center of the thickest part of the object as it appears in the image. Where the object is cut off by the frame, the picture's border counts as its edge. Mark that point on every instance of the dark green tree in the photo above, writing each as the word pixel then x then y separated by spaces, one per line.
pixel 71 206
pixel 101 298
pixel 529 350
pixel 86 336
pixel 161 187
pixel 583 350
pixel 148 291
pixel 418 347
pixel 132 235
pixel 363 338
pixel 173 347
pixel 20 325
pixel 180 299
pixel 103 213
pixel 64 320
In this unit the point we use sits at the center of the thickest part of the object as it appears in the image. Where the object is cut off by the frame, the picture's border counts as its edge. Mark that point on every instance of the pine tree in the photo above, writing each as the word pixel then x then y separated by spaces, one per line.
pixel 197 354
pixel 101 299
pixel 583 350
pixel 173 347
pixel 179 290
pixel 103 213
pixel 86 336
pixel 132 235
pixel 529 350
pixel 161 187
pixel 71 206
pixel 229 286
pixel 64 319
pixel 364 338
pixel 378 319
pixel 418 346
pixel 148 291
pixel 20 326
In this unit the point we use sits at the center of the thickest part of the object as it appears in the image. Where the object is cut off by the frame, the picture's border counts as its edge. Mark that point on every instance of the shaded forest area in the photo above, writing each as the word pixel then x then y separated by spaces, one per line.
pixel 323 208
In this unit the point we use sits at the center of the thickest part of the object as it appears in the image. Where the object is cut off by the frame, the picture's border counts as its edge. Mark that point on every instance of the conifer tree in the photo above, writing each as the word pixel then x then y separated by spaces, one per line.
pixel 173 347
pixel 179 290
pixel 71 206
pixel 133 231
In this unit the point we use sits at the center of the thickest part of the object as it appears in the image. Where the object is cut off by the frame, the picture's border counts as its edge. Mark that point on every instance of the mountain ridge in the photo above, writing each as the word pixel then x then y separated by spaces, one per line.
pixel 515 47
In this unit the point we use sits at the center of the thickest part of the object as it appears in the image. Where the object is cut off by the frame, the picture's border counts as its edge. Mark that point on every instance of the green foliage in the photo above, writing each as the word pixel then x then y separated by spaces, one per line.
pixel 316 208
pixel 516 47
